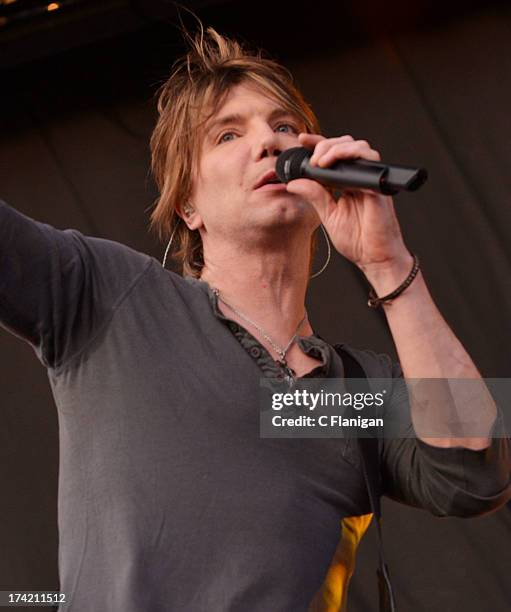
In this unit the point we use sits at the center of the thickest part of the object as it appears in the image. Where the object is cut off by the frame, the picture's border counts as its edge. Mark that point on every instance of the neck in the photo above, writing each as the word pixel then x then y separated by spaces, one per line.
pixel 268 285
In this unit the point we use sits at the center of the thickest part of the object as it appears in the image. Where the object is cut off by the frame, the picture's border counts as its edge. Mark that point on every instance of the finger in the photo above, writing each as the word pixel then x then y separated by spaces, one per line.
pixel 309 140
pixel 315 138
pixel 358 149
pixel 350 145
pixel 322 147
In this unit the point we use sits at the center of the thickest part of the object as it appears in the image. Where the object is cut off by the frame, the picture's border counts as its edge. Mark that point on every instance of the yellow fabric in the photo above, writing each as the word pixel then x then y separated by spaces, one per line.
pixel 333 594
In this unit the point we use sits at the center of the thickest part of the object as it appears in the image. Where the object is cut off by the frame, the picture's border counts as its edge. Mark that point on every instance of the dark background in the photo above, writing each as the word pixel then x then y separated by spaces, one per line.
pixel 426 83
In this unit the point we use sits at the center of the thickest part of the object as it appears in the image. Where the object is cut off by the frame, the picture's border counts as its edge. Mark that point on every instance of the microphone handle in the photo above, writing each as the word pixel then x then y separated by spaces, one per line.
pixel 363 173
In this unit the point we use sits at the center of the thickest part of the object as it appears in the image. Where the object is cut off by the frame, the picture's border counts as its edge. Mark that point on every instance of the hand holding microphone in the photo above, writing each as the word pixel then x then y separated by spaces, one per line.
pixel 361 222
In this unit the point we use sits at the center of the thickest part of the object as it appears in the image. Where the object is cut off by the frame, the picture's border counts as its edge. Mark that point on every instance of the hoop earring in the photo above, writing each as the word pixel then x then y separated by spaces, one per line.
pixel 170 242
pixel 329 252
pixel 323 268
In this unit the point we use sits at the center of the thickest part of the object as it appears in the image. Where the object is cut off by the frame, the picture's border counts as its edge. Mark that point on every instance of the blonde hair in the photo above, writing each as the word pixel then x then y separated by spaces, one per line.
pixel 198 84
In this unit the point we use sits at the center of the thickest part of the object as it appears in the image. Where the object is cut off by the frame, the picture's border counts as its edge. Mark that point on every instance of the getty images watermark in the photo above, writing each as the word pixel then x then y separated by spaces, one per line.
pixel 385 408
pixel 315 402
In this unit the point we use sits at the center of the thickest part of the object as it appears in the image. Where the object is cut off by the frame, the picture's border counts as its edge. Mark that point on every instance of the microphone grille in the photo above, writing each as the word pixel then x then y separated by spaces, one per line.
pixel 289 163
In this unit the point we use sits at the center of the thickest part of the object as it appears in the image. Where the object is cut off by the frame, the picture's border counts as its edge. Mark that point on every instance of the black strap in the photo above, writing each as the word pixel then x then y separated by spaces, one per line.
pixel 372 475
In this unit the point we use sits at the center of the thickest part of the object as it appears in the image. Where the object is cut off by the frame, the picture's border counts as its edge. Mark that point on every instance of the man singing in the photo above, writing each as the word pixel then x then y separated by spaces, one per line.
pixel 169 499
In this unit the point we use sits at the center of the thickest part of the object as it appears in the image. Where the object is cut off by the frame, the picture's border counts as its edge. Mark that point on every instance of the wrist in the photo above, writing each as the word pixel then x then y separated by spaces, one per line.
pixel 386 276
pixel 383 279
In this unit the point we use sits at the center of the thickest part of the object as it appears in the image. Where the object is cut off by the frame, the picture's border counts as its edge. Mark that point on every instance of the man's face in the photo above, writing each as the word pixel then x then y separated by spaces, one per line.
pixel 232 191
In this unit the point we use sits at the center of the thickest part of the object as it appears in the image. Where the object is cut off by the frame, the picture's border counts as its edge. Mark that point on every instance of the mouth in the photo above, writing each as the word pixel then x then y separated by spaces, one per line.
pixel 269 178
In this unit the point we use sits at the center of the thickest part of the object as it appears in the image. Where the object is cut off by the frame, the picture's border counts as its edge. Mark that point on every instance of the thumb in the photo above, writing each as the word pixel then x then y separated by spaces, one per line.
pixel 315 194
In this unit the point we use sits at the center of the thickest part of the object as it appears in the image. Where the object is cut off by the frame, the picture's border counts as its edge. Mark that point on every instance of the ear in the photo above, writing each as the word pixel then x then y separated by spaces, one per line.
pixel 193 220
pixel 191 217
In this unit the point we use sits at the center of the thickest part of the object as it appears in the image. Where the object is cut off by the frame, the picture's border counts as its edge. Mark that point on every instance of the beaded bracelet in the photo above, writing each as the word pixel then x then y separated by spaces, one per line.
pixel 374 301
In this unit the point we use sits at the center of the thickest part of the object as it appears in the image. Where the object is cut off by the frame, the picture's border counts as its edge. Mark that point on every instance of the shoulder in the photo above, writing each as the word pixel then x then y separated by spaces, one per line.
pixel 103 250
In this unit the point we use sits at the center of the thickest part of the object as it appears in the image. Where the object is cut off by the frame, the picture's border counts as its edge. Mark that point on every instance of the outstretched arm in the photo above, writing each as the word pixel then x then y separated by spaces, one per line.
pixel 57 287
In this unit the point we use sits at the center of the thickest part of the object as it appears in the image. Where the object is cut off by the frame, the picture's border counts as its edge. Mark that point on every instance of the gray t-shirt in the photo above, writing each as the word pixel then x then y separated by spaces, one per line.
pixel 169 499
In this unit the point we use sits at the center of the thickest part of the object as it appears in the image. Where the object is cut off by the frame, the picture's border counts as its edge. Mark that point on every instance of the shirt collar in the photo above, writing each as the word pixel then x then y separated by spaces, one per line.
pixel 313 346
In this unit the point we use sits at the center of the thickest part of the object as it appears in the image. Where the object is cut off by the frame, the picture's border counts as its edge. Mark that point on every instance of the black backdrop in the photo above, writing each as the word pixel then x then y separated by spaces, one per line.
pixel 425 86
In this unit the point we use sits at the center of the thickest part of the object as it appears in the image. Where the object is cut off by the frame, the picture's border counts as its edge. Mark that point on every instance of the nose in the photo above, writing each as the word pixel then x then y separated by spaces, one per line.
pixel 267 143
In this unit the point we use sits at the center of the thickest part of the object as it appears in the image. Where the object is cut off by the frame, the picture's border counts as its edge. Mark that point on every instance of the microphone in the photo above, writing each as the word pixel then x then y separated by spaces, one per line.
pixel 384 178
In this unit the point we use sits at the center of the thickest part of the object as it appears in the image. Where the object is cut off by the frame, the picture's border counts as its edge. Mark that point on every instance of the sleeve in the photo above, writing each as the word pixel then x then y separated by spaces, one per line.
pixel 445 481
pixel 58 287
pixel 448 481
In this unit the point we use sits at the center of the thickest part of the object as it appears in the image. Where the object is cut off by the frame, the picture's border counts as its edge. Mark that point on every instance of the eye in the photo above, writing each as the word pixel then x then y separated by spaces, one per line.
pixel 288 128
pixel 226 137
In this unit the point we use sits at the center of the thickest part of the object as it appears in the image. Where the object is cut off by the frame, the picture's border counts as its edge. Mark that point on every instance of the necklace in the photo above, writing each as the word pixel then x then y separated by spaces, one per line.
pixel 281 351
